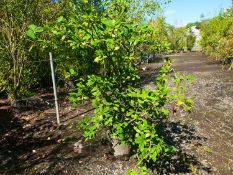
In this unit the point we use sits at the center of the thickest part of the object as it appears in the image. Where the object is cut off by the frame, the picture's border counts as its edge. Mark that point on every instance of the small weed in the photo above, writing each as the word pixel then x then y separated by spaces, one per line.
pixel 193 169
pixel 206 149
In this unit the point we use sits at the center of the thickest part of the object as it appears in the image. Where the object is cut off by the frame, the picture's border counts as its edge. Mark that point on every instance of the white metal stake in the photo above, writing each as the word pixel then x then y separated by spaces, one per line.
pixel 54 87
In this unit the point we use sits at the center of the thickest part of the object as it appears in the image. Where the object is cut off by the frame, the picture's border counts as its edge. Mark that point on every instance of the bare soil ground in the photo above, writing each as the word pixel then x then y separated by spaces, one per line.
pixel 212 117
pixel 32 143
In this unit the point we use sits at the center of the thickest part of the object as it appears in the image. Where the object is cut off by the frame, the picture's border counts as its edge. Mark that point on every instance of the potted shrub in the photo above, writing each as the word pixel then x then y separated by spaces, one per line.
pixel 108 49
pixel 130 113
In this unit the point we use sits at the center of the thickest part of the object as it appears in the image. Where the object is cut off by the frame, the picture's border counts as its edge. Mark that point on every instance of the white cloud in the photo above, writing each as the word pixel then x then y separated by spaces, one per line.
pixel 169 12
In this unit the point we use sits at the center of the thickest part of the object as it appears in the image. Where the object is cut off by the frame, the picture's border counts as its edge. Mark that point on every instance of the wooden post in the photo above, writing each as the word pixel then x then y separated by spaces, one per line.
pixel 54 87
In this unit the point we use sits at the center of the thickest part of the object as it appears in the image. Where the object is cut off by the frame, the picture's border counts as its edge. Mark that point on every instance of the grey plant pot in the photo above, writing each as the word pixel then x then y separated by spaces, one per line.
pixel 120 149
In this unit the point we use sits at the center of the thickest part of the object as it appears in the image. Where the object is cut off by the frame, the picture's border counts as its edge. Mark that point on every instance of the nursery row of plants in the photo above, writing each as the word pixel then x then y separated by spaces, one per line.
pixel 98 45
pixel 217 36
pixel 60 24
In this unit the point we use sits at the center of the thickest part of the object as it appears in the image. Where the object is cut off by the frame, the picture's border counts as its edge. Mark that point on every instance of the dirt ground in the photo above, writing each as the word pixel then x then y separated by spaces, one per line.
pixel 212 117
pixel 31 142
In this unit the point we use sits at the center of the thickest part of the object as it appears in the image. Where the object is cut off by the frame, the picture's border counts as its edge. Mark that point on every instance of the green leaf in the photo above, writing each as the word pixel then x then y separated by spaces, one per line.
pixel 61 19
pixel 39 29
pixel 98 59
pixel 56 32
pixel 110 43
pixel 31 34
pixel 72 72
pixel 179 102
pixel 32 27
pixel 117 48
pixel 107 22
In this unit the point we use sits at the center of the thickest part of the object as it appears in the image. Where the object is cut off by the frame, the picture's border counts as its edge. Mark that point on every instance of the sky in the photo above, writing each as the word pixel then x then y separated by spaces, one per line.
pixel 181 12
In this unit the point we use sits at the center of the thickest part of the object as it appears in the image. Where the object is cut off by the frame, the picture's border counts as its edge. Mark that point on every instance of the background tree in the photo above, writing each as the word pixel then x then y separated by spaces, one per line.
pixel 191 39
pixel 18 73
pixel 216 35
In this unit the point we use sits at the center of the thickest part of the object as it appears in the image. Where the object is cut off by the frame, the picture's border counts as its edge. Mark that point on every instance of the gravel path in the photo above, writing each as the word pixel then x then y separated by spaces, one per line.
pixel 212 92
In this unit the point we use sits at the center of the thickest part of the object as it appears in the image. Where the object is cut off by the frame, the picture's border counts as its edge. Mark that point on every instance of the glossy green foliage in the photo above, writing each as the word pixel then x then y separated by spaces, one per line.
pixel 159 42
pixel 132 114
pixel 181 38
pixel 105 48
pixel 216 36
pixel 19 74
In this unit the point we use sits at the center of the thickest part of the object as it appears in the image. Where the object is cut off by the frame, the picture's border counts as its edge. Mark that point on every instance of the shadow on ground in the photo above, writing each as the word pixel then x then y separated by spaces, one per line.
pixel 181 136
pixel 38 146
pixel 42 148
pixel 32 143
